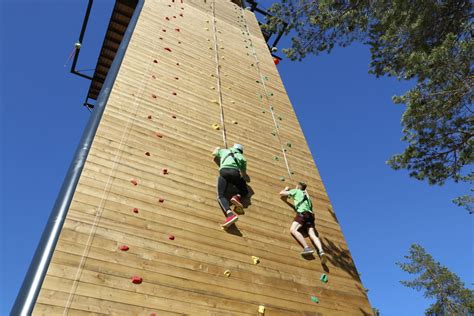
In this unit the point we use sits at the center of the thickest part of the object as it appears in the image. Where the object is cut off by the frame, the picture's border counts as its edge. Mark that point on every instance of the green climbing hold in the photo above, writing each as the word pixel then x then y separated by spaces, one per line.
pixel 257 81
pixel 314 299
pixel 280 118
pixel 274 133
pixel 260 96
pixel 271 107
pixel 266 78
pixel 276 158
pixel 282 178
pixel 324 278
pixel 271 94
pixel 263 111
pixel 288 144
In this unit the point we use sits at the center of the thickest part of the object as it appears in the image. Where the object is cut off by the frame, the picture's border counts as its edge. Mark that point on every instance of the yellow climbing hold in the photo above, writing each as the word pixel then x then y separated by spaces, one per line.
pixel 216 127
pixel 234 122
pixel 215 101
pixel 256 260
pixel 227 273
pixel 261 309
pixel 233 102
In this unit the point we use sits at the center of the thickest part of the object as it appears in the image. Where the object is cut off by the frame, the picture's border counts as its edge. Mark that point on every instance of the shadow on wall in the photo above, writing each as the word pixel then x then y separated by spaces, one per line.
pixel 340 258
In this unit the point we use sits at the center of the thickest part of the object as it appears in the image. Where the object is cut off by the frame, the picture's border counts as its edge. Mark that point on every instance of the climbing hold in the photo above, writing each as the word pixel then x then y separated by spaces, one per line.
pixel 271 94
pixel 261 309
pixel 153 76
pixel 263 111
pixel 167 18
pixel 206 28
pixel 260 96
pixel 161 200
pixel 174 16
pixel 314 299
pixel 276 158
pixel 164 171
pixel 163 30
pixel 227 273
pixel 155 61
pixel 282 178
pixel 274 133
pixel 266 78
pixel 257 81
pixel 174 93
pixel 137 280
pixel 288 144
pixel 149 117
pixel 280 118
pixel 233 102
pixel 159 135
pixel 212 88
pixel 176 78
pixel 134 182
pixel 135 210
pixel 147 154
pixel 170 237
pixel 274 49
pixel 177 64
pixel 177 29
pixel 234 122
pixel 256 260
pixel 168 49
pixel 181 14
pixel 215 101
pixel 173 116
pixel 216 126
pixel 154 96
pixel 161 38
pixel 276 61
pixel 123 247
pixel 324 278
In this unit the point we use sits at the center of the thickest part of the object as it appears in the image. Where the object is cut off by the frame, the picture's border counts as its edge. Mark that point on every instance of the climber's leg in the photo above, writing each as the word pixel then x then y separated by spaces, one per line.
pixel 294 231
pixel 315 239
pixel 221 188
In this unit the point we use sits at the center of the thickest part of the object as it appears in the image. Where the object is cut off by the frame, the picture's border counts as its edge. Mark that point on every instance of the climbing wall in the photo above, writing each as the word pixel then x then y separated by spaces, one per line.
pixel 142 235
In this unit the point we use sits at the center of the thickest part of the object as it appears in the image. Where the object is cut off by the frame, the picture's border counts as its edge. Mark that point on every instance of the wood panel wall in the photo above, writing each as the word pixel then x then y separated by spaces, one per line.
pixel 160 115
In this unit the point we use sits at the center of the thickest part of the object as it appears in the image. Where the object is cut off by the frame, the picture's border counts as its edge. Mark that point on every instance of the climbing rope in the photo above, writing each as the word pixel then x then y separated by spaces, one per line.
pixel 218 72
pixel 107 186
pixel 262 81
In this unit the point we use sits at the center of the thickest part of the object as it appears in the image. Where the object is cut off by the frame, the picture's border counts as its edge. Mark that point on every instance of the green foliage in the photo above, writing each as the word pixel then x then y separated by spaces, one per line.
pixel 438 283
pixel 426 41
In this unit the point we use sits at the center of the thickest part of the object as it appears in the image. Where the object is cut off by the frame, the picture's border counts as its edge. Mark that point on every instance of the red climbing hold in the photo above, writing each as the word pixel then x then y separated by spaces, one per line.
pixel 155 61
pixel 170 237
pixel 168 49
pixel 149 117
pixel 165 171
pixel 161 200
pixel 153 314
pixel 137 280
pixel 134 182
pixel 276 61
pixel 153 76
pixel 174 16
pixel 147 154
pixel 163 30
pixel 167 18
pixel 159 135
pixel 176 78
pixel 177 30
pixel 154 96
pixel 177 64
pixel 174 93
pixel 173 116
pixel 181 14
pixel 124 247
pixel 161 38
pixel 135 210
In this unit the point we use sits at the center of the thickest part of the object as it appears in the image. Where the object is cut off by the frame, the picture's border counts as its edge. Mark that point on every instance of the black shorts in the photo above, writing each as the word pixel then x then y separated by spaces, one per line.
pixel 305 219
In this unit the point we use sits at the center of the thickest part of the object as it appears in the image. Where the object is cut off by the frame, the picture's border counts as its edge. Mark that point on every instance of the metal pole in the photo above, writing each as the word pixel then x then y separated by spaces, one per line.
pixel 31 286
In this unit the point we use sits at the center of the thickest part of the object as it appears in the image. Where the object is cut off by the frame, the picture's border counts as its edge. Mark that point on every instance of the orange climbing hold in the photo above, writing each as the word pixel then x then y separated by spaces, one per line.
pixel 124 247
pixel 137 280
pixel 276 61
pixel 134 182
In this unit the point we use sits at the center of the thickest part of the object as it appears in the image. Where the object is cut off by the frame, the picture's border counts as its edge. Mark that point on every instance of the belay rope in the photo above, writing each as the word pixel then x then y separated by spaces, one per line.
pixel 262 80
pixel 218 72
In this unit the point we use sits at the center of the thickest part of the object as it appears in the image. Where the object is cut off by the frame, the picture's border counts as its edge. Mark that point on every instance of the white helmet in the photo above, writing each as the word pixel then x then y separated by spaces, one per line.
pixel 239 147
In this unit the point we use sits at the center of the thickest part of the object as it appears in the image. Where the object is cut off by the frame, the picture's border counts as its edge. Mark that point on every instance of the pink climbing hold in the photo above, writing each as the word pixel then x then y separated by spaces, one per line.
pixel 134 182
pixel 124 247
pixel 168 49
pixel 137 280
pixel 159 135
pixel 135 210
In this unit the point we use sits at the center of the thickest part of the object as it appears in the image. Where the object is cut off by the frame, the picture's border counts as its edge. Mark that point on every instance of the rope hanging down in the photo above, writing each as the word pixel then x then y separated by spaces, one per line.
pixel 218 72
pixel 262 81
pixel 107 187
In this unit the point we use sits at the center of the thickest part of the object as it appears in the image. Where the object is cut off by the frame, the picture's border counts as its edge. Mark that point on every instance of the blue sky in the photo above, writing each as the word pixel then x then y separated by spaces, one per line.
pixel 347 115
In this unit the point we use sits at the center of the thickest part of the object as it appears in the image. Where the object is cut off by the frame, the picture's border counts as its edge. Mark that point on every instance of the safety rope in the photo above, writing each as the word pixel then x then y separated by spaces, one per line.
pixel 262 81
pixel 107 187
pixel 218 72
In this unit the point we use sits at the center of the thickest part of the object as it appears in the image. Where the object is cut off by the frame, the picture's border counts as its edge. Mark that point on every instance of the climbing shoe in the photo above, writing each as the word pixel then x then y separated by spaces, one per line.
pixel 230 220
pixel 307 251
pixel 323 257
pixel 236 201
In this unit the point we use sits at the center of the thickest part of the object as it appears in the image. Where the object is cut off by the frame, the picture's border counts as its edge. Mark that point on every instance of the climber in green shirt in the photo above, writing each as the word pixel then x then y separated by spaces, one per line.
pixel 232 169
pixel 304 218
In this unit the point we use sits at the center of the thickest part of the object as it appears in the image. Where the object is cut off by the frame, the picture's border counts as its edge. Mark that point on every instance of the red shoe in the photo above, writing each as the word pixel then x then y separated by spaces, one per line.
pixel 236 201
pixel 230 220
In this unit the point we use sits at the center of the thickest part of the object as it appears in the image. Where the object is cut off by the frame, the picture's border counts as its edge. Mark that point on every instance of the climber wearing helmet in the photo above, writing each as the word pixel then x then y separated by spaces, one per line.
pixel 232 169
pixel 304 219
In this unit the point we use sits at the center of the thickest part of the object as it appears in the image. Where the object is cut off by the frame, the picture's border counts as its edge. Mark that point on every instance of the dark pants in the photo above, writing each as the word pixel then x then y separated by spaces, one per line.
pixel 232 176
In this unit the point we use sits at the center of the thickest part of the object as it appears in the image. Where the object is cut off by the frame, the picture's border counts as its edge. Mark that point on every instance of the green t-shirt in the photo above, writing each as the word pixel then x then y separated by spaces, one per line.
pixel 226 161
pixel 303 205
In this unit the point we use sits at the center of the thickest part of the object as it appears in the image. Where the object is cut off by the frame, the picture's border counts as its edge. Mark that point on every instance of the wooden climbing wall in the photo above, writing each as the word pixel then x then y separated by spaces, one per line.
pixel 160 115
